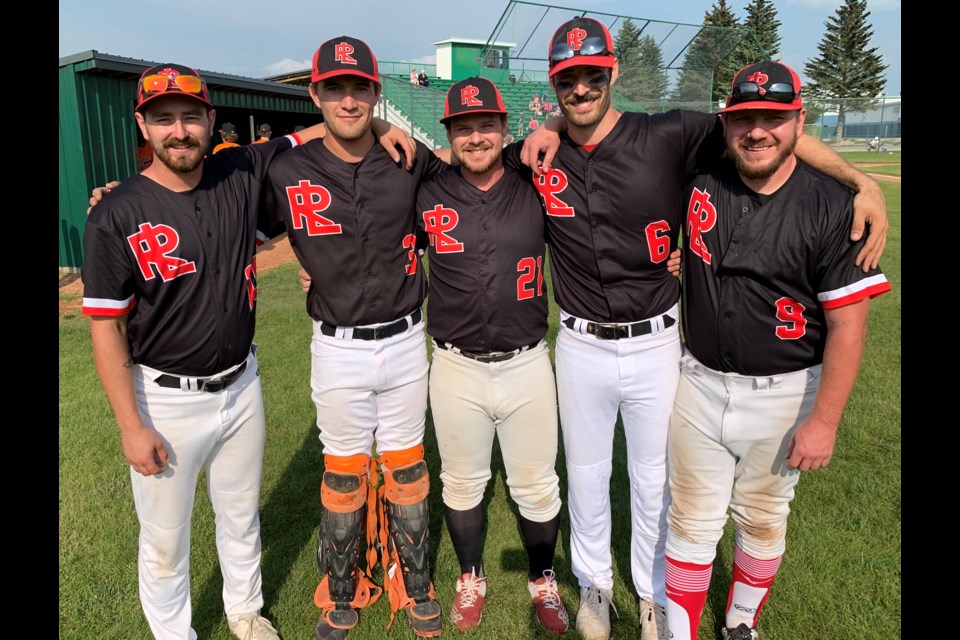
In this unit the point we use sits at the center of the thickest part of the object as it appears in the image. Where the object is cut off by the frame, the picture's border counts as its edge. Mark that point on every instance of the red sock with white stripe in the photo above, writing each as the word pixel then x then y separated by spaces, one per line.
pixel 687 585
pixel 752 579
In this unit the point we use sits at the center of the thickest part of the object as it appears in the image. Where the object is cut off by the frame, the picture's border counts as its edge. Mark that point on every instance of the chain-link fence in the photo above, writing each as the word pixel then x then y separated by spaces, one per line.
pixel 862 124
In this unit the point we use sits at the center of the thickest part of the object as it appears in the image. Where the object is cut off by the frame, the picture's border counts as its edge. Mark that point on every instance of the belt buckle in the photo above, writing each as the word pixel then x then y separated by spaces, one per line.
pixel 611 331
pixel 213 386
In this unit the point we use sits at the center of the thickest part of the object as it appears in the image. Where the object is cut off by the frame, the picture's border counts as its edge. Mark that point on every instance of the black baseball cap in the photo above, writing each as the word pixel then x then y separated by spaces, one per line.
pixel 473 95
pixel 171 79
pixel 264 128
pixel 344 56
pixel 765 85
pixel 227 127
pixel 581 41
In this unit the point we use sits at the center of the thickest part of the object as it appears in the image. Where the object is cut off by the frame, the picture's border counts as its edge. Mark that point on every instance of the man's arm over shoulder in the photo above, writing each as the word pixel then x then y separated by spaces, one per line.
pixel 870 205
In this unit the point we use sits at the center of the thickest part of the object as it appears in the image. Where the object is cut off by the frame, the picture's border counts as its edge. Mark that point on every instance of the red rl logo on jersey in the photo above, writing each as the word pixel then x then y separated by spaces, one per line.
pixel 759 78
pixel 438 221
pixel 549 185
pixel 701 217
pixel 152 246
pixel 575 38
pixel 306 201
pixel 468 96
pixel 341 53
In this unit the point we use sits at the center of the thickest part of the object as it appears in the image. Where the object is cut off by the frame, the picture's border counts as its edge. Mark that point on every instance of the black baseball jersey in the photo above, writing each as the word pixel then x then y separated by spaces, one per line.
pixel 758 271
pixel 182 264
pixel 614 213
pixel 486 253
pixel 353 228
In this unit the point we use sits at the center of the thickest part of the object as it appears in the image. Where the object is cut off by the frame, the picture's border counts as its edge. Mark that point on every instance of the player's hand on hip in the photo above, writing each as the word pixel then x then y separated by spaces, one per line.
pixel 870 208
pixel 811 446
pixel 144 450
pixel 305 280
pixel 97 194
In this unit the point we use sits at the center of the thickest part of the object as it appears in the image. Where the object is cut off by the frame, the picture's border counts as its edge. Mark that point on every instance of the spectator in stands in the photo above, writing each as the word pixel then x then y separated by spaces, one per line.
pixel 413 77
pixel 423 79
pixel 228 133
pixel 508 139
pixel 520 126
pixel 547 107
pixel 264 131
pixel 543 95
pixel 535 104
pixel 533 124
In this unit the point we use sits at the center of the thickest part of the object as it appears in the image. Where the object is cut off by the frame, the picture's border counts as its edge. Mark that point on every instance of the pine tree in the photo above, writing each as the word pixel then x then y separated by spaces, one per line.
pixel 626 47
pixel 848 67
pixel 652 77
pixel 764 44
pixel 711 60
pixel 642 78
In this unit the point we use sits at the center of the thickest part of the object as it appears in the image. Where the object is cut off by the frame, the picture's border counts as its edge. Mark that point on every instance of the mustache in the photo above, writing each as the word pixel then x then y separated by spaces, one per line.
pixel 591 95
pixel 189 143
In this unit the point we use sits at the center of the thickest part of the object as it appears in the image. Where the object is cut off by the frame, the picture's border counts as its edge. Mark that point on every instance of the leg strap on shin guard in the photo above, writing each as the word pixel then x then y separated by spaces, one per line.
pixel 404 537
pixel 348 495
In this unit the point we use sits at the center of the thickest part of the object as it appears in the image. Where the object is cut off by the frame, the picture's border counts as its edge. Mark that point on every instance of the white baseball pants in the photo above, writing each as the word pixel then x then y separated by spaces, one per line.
pixel 596 379
pixel 369 390
pixel 223 434
pixel 514 401
pixel 728 440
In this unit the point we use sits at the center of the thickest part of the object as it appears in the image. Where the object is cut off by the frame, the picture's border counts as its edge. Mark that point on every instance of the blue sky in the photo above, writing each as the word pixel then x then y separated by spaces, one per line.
pixel 258 39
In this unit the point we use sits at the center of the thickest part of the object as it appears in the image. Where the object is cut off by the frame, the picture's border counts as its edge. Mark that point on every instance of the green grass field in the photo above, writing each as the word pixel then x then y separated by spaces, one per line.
pixel 840 577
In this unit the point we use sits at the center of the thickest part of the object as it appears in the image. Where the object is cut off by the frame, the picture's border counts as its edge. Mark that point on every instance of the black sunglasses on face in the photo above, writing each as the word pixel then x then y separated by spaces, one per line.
pixel 777 92
pixel 589 47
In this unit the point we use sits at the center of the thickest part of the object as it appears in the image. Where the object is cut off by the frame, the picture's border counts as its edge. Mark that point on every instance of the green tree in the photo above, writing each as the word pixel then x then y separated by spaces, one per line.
pixel 626 47
pixel 764 42
pixel 847 67
pixel 642 78
pixel 711 60
pixel 651 76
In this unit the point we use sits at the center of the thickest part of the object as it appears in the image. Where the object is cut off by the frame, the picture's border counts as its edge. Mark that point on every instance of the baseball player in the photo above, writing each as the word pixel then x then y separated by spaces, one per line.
pixel 184 385
pixel 350 213
pixel 775 321
pixel 491 374
pixel 613 200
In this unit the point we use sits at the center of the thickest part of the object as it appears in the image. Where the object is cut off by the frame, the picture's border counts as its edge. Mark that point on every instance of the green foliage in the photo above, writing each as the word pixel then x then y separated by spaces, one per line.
pixel 642 78
pixel 847 67
pixel 764 42
pixel 709 64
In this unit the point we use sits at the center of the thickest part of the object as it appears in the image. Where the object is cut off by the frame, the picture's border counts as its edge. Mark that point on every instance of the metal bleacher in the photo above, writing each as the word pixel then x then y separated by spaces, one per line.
pixel 419 109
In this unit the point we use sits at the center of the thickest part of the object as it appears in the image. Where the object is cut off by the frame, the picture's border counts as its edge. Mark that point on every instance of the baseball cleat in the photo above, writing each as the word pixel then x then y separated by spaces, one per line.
pixel 551 614
pixel 468 602
pixel 653 621
pixel 742 632
pixel 253 626
pixel 593 617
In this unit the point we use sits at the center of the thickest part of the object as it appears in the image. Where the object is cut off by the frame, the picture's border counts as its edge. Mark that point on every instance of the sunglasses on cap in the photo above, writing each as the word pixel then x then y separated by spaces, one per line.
pixel 158 83
pixel 776 92
pixel 594 46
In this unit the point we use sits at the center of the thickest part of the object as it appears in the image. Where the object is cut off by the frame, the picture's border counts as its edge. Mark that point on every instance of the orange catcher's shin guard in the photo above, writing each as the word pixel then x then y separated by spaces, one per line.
pixel 344 494
pixel 405 489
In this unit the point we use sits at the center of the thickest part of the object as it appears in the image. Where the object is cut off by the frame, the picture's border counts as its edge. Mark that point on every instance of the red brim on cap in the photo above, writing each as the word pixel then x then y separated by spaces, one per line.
pixel 343 72
pixel 583 61
pixel 172 93
pixel 796 105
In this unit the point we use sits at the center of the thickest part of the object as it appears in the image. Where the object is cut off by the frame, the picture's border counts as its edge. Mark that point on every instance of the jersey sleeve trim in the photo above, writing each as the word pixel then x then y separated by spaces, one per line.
pixel 107 307
pixel 294 139
pixel 867 288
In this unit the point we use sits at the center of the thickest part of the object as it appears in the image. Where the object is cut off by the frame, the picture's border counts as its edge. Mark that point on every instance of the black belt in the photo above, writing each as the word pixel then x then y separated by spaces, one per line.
pixel 211 385
pixel 615 331
pixel 488 356
pixel 377 333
